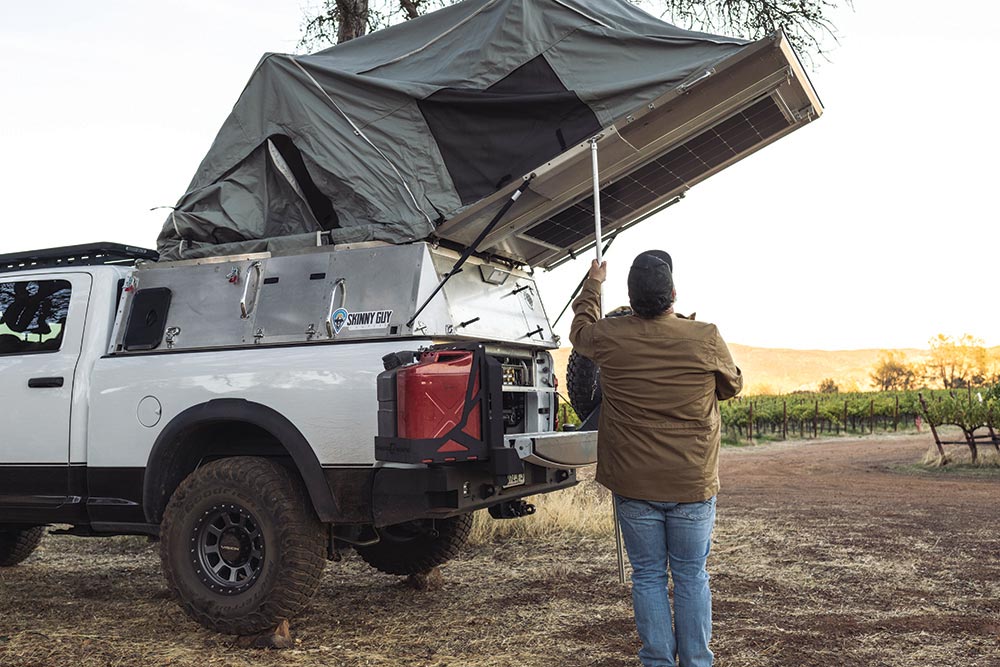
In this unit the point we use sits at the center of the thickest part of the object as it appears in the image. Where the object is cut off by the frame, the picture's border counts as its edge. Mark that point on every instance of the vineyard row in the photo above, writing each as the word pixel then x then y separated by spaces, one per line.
pixel 813 414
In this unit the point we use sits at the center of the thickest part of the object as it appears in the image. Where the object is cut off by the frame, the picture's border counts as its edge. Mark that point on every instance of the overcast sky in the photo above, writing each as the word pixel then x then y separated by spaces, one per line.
pixel 875 226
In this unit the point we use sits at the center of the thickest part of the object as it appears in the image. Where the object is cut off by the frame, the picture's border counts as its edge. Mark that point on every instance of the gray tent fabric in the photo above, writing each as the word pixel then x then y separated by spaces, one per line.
pixel 386 136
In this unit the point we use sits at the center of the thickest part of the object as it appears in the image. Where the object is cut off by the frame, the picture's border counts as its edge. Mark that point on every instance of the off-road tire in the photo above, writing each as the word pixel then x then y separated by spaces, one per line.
pixel 583 384
pixel 17 543
pixel 583 377
pixel 399 554
pixel 267 496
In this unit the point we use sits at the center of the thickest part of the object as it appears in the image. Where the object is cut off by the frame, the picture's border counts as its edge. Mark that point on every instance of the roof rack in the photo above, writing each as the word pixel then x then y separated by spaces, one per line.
pixel 87 254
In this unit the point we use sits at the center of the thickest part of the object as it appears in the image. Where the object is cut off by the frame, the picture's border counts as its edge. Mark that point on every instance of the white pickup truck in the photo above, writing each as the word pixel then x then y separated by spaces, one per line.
pixel 258 412
pixel 240 409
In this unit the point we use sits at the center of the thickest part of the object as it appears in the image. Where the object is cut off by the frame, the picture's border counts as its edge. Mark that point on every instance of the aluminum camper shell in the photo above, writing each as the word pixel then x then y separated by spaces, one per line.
pixel 334 294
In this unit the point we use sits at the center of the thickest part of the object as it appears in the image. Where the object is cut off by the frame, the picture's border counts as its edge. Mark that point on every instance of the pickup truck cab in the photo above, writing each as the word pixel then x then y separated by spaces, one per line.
pixel 260 413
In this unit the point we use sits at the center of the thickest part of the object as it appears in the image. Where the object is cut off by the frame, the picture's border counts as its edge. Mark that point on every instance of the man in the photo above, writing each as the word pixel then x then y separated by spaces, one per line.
pixel 658 449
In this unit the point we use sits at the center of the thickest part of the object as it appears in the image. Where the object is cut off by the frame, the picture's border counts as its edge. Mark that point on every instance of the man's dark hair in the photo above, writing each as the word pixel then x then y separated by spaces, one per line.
pixel 651 284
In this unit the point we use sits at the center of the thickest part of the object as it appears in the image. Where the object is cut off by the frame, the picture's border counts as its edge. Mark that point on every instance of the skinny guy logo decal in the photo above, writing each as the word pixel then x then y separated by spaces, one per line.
pixel 367 319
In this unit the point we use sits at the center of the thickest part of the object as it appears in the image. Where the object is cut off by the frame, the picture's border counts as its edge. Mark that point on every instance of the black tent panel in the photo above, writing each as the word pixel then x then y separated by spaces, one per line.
pixel 489 137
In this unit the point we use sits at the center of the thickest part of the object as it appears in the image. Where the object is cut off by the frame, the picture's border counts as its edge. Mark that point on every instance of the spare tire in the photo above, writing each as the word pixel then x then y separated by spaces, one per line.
pixel 417 546
pixel 583 377
pixel 583 384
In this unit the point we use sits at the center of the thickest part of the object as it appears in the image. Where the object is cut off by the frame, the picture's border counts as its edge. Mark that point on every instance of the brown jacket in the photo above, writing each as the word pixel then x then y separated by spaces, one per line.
pixel 662 380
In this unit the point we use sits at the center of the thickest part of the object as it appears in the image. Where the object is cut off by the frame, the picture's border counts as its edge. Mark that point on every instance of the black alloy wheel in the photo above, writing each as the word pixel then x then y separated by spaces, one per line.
pixel 229 549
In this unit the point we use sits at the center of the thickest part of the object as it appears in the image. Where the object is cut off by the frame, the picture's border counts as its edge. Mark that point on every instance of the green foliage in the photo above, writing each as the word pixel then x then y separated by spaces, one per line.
pixel 968 410
pixel 828 413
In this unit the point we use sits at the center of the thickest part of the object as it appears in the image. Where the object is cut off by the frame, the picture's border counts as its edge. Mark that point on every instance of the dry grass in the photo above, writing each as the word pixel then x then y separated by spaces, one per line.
pixel 581 511
pixel 959 459
pixel 816 579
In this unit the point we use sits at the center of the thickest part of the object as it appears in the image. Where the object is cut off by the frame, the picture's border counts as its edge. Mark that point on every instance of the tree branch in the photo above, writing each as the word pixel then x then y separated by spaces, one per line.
pixel 806 22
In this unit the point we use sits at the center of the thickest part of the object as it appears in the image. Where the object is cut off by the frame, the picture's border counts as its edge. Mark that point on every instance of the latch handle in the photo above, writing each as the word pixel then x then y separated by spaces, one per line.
pixel 246 310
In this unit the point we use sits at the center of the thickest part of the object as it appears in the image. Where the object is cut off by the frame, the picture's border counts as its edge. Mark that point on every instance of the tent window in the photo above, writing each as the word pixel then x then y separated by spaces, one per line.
pixel 321 207
pixel 490 137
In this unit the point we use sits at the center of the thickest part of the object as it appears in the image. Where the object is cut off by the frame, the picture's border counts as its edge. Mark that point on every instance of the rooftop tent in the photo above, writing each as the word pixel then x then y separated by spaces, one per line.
pixel 425 128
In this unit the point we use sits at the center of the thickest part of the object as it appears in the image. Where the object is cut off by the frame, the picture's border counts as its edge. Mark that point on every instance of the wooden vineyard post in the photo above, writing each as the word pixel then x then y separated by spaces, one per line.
pixel 784 419
pixel 845 416
pixel 930 422
pixel 993 434
pixel 970 437
pixel 895 416
pixel 816 421
pixel 871 416
pixel 750 425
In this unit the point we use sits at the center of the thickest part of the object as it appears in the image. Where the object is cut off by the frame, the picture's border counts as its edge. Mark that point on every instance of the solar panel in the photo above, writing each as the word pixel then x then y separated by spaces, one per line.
pixel 675 169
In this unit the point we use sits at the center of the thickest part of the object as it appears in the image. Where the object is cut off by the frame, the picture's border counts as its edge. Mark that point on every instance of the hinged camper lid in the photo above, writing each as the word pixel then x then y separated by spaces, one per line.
pixel 416 131
pixel 650 157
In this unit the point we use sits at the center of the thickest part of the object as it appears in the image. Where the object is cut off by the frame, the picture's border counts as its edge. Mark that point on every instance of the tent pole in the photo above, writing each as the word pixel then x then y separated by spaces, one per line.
pixel 598 237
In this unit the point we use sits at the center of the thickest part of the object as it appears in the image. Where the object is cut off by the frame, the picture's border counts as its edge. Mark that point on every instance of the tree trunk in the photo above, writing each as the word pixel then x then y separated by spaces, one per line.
pixel 410 7
pixel 353 19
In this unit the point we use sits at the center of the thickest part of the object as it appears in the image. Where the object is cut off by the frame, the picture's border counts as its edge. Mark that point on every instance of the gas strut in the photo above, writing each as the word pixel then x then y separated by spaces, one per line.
pixel 472 247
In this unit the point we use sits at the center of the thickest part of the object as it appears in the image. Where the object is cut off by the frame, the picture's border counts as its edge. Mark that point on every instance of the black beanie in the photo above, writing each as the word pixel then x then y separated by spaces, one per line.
pixel 651 283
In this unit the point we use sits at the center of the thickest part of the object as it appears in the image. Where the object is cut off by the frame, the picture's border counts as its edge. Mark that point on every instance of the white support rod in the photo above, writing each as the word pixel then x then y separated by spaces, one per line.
pixel 599 240
pixel 598 237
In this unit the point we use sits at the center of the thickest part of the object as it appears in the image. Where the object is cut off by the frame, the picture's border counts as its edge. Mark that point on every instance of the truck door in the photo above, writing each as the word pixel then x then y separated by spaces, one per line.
pixel 42 321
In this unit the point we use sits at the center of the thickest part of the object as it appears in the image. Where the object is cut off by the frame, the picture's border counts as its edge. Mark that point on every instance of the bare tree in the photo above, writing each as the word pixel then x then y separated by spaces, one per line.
pixel 337 21
pixel 806 22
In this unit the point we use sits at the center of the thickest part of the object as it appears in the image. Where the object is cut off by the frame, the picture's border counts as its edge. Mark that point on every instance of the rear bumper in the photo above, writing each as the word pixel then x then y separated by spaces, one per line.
pixel 393 494
pixel 404 494
pixel 549 459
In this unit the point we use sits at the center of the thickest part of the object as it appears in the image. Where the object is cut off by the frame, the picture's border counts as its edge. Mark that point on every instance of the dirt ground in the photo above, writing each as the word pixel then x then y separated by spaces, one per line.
pixel 826 553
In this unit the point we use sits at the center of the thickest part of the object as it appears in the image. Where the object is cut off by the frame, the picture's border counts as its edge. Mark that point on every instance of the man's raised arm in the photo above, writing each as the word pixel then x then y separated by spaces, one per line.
pixel 587 311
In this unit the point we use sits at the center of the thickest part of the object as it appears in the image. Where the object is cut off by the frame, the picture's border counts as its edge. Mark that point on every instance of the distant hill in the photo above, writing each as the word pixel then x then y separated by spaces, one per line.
pixel 779 371
pixel 773 370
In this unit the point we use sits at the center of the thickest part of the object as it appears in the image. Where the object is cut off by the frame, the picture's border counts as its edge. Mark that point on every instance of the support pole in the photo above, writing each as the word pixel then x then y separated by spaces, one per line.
pixel 598 240
pixel 598 237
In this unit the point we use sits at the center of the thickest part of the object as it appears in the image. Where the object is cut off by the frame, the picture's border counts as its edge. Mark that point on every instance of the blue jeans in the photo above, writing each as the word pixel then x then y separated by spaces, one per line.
pixel 678 535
